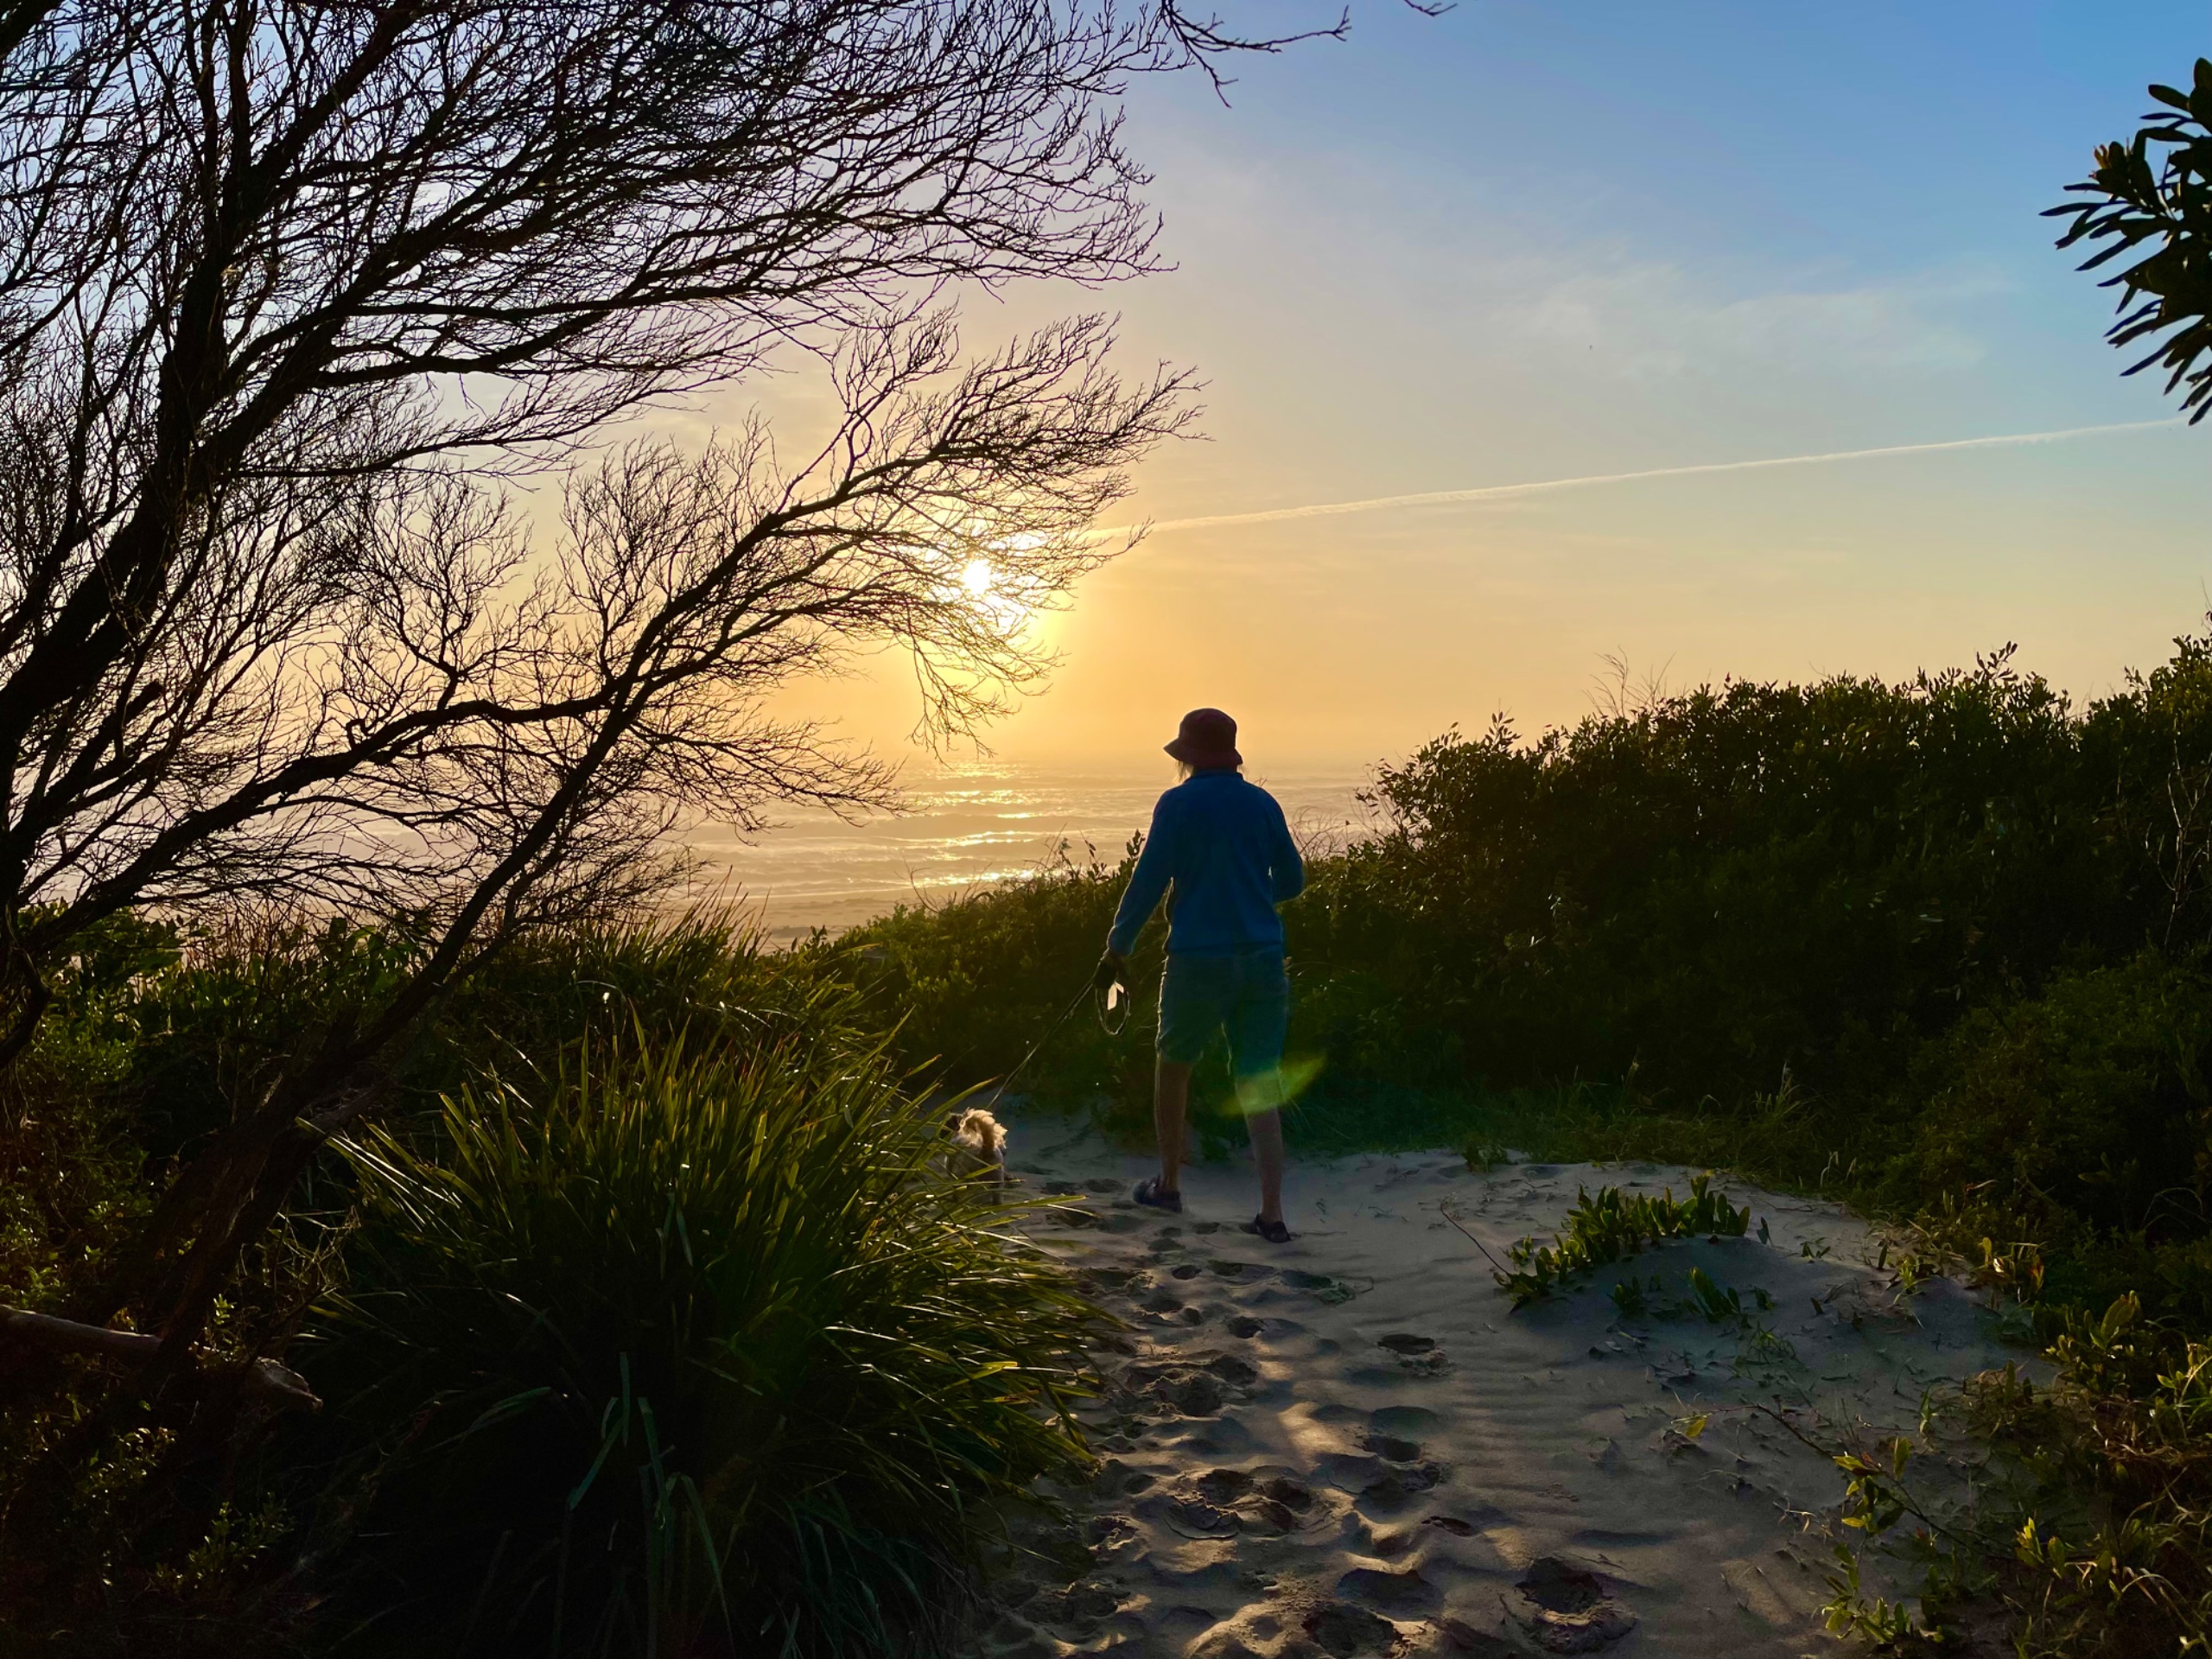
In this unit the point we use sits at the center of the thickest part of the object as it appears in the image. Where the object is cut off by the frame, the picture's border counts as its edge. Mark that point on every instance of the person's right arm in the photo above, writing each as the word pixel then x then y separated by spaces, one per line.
pixel 1285 869
pixel 1148 883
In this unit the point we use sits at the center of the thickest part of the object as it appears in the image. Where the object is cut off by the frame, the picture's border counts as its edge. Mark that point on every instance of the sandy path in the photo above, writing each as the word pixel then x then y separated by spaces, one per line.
pixel 1351 1444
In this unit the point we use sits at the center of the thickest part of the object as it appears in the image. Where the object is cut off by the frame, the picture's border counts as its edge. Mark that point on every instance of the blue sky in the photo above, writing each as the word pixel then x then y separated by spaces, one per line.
pixel 1525 241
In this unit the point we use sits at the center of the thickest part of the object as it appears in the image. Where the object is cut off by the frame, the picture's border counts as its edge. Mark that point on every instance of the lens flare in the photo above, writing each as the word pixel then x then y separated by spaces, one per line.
pixel 1267 1091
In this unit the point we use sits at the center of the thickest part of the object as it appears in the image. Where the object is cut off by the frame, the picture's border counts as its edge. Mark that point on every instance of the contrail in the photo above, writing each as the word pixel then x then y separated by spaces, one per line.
pixel 1498 492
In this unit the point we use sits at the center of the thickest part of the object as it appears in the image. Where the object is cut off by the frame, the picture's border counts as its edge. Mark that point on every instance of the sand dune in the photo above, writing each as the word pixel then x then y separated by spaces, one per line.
pixel 1352 1445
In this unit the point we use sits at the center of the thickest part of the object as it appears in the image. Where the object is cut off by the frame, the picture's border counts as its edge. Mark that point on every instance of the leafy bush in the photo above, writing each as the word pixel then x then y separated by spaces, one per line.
pixel 2128 1427
pixel 1733 881
pixel 691 1349
pixel 70 1156
pixel 2086 1104
pixel 227 1009
pixel 1611 1225
pixel 145 1551
pixel 228 1548
pixel 2152 211
pixel 2084 1514
pixel 1694 895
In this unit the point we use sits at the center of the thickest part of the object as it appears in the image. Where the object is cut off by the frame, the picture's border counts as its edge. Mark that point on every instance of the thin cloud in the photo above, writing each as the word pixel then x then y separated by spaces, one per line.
pixel 1502 492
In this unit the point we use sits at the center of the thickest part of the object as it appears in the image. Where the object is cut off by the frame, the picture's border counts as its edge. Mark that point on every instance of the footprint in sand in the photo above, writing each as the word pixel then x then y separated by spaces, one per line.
pixel 1465 1639
pixel 1468 1520
pixel 1291 1495
pixel 1401 1594
pixel 1195 1518
pixel 1419 1354
pixel 1197 1386
pixel 1249 1326
pixel 1568 1609
pixel 1324 1288
pixel 1106 1281
pixel 1225 1485
pixel 1244 1273
pixel 1405 1474
pixel 1342 1630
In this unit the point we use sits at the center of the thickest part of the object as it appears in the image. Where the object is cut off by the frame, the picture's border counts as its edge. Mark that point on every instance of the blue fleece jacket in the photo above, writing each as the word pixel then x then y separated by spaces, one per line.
pixel 1222 845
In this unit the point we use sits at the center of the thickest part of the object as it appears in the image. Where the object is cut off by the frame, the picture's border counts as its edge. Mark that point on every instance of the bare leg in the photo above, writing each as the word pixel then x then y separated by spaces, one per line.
pixel 1171 1108
pixel 1266 1130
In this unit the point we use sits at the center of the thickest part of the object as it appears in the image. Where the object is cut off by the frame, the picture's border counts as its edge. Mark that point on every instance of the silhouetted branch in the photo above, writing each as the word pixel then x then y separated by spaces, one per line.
pixel 42 1330
pixel 2156 210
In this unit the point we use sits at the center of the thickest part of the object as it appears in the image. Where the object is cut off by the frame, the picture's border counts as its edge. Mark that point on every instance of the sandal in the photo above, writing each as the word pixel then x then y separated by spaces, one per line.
pixel 1149 1192
pixel 1273 1232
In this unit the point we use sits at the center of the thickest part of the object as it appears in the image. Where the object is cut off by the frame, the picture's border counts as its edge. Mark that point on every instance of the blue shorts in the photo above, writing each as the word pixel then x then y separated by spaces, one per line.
pixel 1245 995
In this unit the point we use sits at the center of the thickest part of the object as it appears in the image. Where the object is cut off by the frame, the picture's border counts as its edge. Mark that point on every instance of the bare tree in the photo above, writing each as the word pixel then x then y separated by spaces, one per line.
pixel 583 703
pixel 288 291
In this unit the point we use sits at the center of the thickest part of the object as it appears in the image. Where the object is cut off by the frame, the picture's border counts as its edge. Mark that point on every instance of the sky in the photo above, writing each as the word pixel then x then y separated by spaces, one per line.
pixel 1526 241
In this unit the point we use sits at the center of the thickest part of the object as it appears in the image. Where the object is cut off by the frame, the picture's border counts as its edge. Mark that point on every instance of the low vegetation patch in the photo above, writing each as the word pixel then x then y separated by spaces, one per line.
pixel 1703 1296
pixel 1611 1225
pixel 2081 1517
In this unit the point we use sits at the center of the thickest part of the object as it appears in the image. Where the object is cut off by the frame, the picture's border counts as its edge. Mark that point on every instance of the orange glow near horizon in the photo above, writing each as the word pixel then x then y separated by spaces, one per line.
pixel 1409 288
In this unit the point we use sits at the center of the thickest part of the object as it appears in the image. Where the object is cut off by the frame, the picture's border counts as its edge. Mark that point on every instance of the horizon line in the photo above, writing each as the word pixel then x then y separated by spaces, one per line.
pixel 1492 492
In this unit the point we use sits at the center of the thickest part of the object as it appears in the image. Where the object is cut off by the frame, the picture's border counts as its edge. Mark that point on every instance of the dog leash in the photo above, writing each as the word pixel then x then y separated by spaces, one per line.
pixel 1053 1030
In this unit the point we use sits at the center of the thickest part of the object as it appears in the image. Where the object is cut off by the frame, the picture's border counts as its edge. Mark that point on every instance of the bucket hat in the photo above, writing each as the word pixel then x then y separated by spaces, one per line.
pixel 1208 739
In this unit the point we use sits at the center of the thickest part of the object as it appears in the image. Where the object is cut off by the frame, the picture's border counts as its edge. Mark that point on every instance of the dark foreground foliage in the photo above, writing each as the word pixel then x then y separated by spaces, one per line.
pixel 649 1324
pixel 689 1350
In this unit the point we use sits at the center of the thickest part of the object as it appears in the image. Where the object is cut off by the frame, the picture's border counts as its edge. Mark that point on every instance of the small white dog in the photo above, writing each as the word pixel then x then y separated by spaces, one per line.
pixel 978 1146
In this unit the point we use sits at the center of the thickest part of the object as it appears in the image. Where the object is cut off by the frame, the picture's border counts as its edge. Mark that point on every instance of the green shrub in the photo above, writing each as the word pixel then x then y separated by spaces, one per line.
pixel 2086 1104
pixel 71 1157
pixel 215 1021
pixel 706 975
pixel 1733 879
pixel 692 1349
pixel 2083 1513
pixel 136 1552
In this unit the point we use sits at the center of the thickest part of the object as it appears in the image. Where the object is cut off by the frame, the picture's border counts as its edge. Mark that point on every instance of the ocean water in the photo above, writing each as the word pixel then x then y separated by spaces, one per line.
pixel 965 829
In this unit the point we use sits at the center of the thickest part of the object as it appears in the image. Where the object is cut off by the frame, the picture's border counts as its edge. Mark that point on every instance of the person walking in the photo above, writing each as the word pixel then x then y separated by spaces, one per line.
pixel 1220 853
